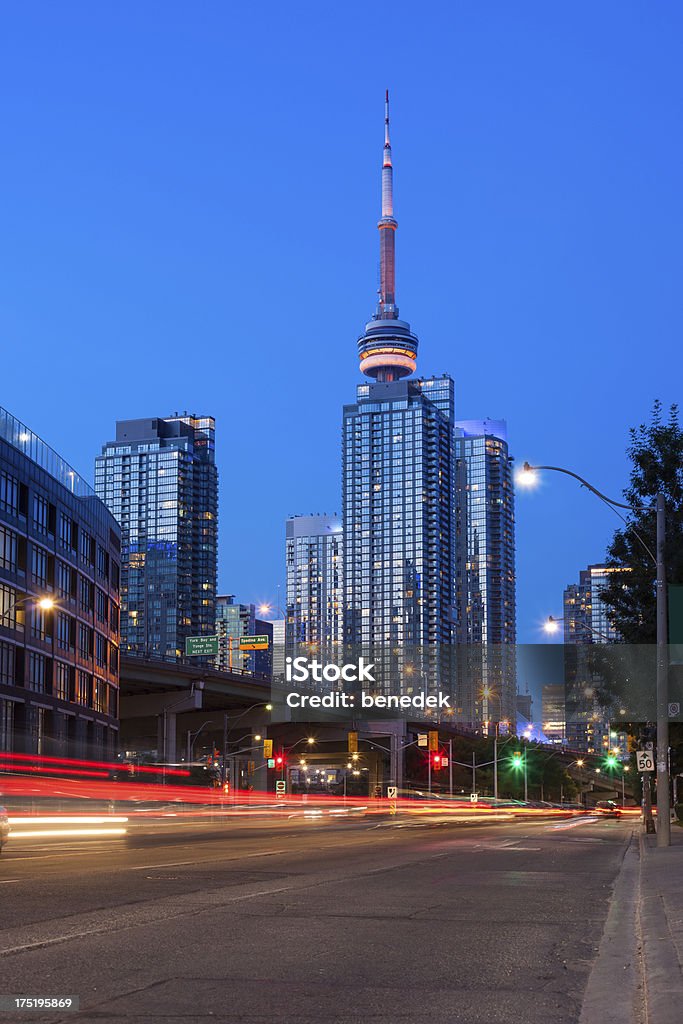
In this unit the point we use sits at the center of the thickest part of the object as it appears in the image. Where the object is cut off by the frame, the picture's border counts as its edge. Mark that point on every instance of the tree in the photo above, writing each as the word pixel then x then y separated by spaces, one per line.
pixel 656 454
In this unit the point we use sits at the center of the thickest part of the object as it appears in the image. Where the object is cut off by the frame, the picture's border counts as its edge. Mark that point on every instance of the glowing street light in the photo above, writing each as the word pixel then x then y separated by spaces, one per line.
pixel 526 477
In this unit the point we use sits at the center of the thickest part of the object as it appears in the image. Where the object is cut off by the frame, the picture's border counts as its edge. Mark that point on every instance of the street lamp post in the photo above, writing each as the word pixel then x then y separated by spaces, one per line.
pixel 551 625
pixel 226 719
pixel 663 798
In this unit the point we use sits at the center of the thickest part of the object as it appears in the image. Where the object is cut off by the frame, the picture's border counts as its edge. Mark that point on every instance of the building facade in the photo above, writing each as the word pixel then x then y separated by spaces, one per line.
pixel 553 711
pixel 233 621
pixel 159 479
pixel 485 582
pixel 314 552
pixel 60 551
pixel 590 728
pixel 397 495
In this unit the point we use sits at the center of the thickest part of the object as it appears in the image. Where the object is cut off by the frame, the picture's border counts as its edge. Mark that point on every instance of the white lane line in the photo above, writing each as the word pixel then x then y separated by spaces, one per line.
pixel 62 855
pixel 99 929
pixel 7 881
pixel 572 824
pixel 169 864
pixel 209 860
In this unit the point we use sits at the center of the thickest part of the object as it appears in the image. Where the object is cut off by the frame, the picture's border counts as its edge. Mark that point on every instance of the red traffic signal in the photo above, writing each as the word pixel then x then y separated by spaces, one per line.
pixel 279 761
pixel 436 760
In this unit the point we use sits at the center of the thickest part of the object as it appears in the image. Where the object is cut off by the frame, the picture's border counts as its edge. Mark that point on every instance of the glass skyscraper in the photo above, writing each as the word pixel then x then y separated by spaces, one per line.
pixel 485 569
pixel 397 494
pixel 314 584
pixel 586 623
pixel 159 479
pixel 235 620
pixel 585 614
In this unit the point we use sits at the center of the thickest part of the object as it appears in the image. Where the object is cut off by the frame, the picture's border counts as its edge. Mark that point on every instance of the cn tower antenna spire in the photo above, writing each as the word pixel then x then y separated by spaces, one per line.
pixel 387 228
pixel 388 349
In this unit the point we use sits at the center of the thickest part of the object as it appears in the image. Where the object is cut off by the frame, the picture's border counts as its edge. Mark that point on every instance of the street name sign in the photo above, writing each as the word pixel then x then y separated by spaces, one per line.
pixel 422 739
pixel 201 646
pixel 254 643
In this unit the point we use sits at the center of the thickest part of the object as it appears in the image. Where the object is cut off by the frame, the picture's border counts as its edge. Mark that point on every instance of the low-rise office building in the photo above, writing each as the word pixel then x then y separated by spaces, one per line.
pixel 59 604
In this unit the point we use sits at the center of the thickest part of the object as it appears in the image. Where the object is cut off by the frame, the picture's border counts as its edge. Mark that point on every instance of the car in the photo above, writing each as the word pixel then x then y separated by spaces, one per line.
pixel 608 809
pixel 4 826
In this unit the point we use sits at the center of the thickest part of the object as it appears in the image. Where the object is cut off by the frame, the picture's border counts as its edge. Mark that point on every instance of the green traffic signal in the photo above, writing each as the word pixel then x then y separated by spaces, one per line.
pixel 517 759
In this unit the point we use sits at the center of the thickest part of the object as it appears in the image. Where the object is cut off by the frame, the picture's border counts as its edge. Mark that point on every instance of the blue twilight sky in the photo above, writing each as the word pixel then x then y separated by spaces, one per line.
pixel 189 195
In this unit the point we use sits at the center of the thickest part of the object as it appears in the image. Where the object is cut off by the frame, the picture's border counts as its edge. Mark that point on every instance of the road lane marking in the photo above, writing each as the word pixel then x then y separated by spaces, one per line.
pixel 572 824
pixel 208 860
pixel 100 929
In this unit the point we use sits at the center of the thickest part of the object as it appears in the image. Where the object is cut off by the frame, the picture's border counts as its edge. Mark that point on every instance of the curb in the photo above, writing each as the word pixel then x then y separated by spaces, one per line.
pixel 613 993
pixel 662 973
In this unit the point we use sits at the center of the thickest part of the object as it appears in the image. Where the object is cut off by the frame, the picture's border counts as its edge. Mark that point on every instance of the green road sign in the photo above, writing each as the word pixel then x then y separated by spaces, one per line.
pixel 254 643
pixel 198 646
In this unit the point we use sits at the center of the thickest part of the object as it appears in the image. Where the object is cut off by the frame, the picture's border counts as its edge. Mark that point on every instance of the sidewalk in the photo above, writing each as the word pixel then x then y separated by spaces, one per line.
pixel 660 923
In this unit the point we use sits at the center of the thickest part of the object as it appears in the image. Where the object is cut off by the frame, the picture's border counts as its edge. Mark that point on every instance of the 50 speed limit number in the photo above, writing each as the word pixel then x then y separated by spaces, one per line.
pixel 645 761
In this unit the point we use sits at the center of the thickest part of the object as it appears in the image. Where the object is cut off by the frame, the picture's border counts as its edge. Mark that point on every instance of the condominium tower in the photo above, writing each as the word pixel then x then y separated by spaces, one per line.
pixel 159 479
pixel 314 583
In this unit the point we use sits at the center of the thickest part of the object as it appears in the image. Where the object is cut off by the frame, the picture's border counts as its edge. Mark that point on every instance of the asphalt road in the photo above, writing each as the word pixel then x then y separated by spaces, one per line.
pixel 315 921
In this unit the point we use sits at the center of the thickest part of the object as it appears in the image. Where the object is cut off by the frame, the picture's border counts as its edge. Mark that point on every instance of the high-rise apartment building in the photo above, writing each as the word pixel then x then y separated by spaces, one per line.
pixel 585 613
pixel 553 711
pixel 60 552
pixel 159 479
pixel 314 583
pixel 233 621
pixel 591 727
pixel 397 480
pixel 485 569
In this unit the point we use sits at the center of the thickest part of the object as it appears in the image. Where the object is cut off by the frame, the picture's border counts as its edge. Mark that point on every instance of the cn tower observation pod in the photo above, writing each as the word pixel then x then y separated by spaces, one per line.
pixel 388 349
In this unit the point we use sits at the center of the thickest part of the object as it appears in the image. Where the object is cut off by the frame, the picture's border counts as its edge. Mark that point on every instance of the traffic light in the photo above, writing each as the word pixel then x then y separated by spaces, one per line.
pixel 352 738
pixel 279 760
pixel 517 759
pixel 611 761
pixel 436 760
pixel 267 749
pixel 433 739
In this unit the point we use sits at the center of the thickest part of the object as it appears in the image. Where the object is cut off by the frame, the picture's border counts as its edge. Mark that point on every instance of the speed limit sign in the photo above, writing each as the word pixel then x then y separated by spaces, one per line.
pixel 645 762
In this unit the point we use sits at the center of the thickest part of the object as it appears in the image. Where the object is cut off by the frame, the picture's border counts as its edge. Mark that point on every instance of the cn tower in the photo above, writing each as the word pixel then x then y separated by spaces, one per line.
pixel 388 349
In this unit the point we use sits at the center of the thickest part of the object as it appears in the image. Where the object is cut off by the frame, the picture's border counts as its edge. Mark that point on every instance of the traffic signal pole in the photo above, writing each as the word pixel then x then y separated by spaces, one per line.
pixel 495 763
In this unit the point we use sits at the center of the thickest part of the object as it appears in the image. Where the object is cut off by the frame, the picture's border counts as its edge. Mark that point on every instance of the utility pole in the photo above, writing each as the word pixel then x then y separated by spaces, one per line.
pixel 474 772
pixel 450 768
pixel 663 805
pixel 224 775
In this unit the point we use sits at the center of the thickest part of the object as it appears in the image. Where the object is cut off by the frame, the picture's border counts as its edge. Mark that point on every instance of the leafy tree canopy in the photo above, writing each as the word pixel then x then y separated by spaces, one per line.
pixel 656 454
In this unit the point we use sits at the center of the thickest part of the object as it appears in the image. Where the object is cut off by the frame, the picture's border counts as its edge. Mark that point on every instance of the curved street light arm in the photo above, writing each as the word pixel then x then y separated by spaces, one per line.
pixel 603 497
pixel 584 483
